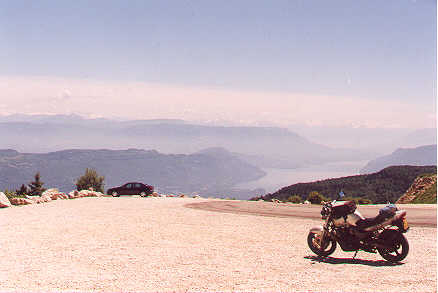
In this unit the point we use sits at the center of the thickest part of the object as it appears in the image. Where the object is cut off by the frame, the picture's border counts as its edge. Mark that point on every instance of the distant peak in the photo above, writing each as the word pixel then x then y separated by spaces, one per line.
pixel 216 152
pixel 8 152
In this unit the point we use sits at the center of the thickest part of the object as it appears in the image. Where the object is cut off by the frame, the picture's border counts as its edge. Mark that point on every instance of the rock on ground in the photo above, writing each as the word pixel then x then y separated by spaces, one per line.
pixel 17 201
pixel 4 201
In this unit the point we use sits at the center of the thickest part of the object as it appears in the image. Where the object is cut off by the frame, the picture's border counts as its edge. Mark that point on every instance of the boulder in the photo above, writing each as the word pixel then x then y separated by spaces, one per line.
pixel 38 200
pixel 45 198
pixel 18 201
pixel 90 193
pixel 62 195
pixel 51 193
pixel 99 194
pixel 73 194
pixel 4 201
pixel 84 193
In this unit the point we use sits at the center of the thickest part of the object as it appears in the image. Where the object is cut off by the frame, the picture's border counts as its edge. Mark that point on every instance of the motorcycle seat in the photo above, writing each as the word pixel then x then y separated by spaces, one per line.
pixel 369 222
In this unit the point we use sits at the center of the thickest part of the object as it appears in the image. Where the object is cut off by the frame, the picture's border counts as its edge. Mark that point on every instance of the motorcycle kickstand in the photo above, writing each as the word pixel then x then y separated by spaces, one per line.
pixel 355 254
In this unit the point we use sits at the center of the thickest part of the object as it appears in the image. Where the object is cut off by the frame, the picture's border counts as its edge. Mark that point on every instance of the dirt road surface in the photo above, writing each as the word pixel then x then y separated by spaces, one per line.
pixel 158 244
pixel 417 215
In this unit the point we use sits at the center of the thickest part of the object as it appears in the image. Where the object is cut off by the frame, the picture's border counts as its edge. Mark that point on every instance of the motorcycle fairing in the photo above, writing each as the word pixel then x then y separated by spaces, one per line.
pixel 317 230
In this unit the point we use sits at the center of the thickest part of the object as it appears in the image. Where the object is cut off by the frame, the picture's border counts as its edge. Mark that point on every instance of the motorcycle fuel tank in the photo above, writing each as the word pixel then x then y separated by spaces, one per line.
pixel 350 220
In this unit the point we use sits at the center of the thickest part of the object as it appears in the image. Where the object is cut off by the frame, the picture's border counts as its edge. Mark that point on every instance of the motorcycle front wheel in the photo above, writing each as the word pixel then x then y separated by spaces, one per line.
pixel 314 242
pixel 398 246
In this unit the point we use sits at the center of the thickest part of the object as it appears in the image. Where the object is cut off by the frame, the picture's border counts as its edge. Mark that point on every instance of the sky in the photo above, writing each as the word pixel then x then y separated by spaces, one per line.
pixel 336 63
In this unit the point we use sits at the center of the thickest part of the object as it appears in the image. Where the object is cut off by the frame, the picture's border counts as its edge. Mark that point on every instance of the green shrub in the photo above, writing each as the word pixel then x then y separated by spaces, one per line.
pixel 363 200
pixel 316 198
pixel 90 179
pixel 294 199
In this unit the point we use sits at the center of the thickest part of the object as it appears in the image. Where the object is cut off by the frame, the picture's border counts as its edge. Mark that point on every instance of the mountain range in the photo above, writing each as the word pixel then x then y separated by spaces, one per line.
pixel 380 140
pixel 262 146
pixel 419 156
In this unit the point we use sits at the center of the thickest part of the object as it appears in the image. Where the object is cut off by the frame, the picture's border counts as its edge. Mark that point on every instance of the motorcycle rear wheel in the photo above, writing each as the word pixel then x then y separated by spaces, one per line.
pixel 313 240
pixel 399 246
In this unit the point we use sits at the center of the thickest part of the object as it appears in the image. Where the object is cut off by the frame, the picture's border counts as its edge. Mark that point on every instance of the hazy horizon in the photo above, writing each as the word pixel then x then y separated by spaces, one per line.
pixel 340 64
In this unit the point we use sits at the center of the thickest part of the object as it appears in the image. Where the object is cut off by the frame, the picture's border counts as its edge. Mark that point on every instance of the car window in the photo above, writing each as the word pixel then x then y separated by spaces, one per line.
pixel 137 185
pixel 129 185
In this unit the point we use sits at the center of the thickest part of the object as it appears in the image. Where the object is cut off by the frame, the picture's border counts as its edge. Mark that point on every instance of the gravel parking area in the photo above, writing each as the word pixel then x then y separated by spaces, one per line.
pixel 158 244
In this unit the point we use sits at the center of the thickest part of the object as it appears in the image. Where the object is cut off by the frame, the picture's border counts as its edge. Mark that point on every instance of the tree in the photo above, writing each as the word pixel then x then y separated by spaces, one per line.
pixel 36 187
pixel 294 199
pixel 90 179
pixel 315 197
pixel 24 190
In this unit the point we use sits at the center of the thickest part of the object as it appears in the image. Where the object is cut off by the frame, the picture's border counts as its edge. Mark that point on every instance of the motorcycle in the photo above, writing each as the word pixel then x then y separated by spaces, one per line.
pixel 345 225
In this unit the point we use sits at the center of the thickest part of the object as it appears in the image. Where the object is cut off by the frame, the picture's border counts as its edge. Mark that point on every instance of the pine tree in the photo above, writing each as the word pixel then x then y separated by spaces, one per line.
pixel 24 190
pixel 36 187
pixel 90 179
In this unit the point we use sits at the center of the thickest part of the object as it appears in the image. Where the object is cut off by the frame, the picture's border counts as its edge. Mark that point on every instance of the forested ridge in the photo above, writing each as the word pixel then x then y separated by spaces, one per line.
pixel 380 187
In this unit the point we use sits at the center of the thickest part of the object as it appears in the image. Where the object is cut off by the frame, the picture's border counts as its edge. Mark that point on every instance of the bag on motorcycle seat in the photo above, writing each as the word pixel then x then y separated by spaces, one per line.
pixel 343 208
pixel 388 211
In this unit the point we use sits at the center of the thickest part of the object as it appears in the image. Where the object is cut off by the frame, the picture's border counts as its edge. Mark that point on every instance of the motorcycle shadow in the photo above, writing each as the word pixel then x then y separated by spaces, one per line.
pixel 354 261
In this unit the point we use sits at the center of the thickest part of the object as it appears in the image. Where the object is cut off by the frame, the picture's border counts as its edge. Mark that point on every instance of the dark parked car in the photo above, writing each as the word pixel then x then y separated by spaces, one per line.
pixel 131 188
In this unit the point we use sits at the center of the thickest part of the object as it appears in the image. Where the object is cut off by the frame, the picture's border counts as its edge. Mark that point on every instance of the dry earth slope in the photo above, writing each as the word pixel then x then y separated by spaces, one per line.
pixel 422 190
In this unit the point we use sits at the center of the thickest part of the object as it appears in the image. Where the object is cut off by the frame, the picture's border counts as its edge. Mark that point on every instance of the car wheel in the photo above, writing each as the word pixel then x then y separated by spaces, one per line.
pixel 142 194
pixel 114 194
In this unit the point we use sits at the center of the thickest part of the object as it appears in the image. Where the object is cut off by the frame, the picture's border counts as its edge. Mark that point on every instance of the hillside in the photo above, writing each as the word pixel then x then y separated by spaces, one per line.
pixel 419 156
pixel 423 190
pixel 386 185
pixel 205 173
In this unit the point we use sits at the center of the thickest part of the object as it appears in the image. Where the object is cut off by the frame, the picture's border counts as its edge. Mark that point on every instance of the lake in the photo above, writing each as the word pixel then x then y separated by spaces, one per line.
pixel 278 178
